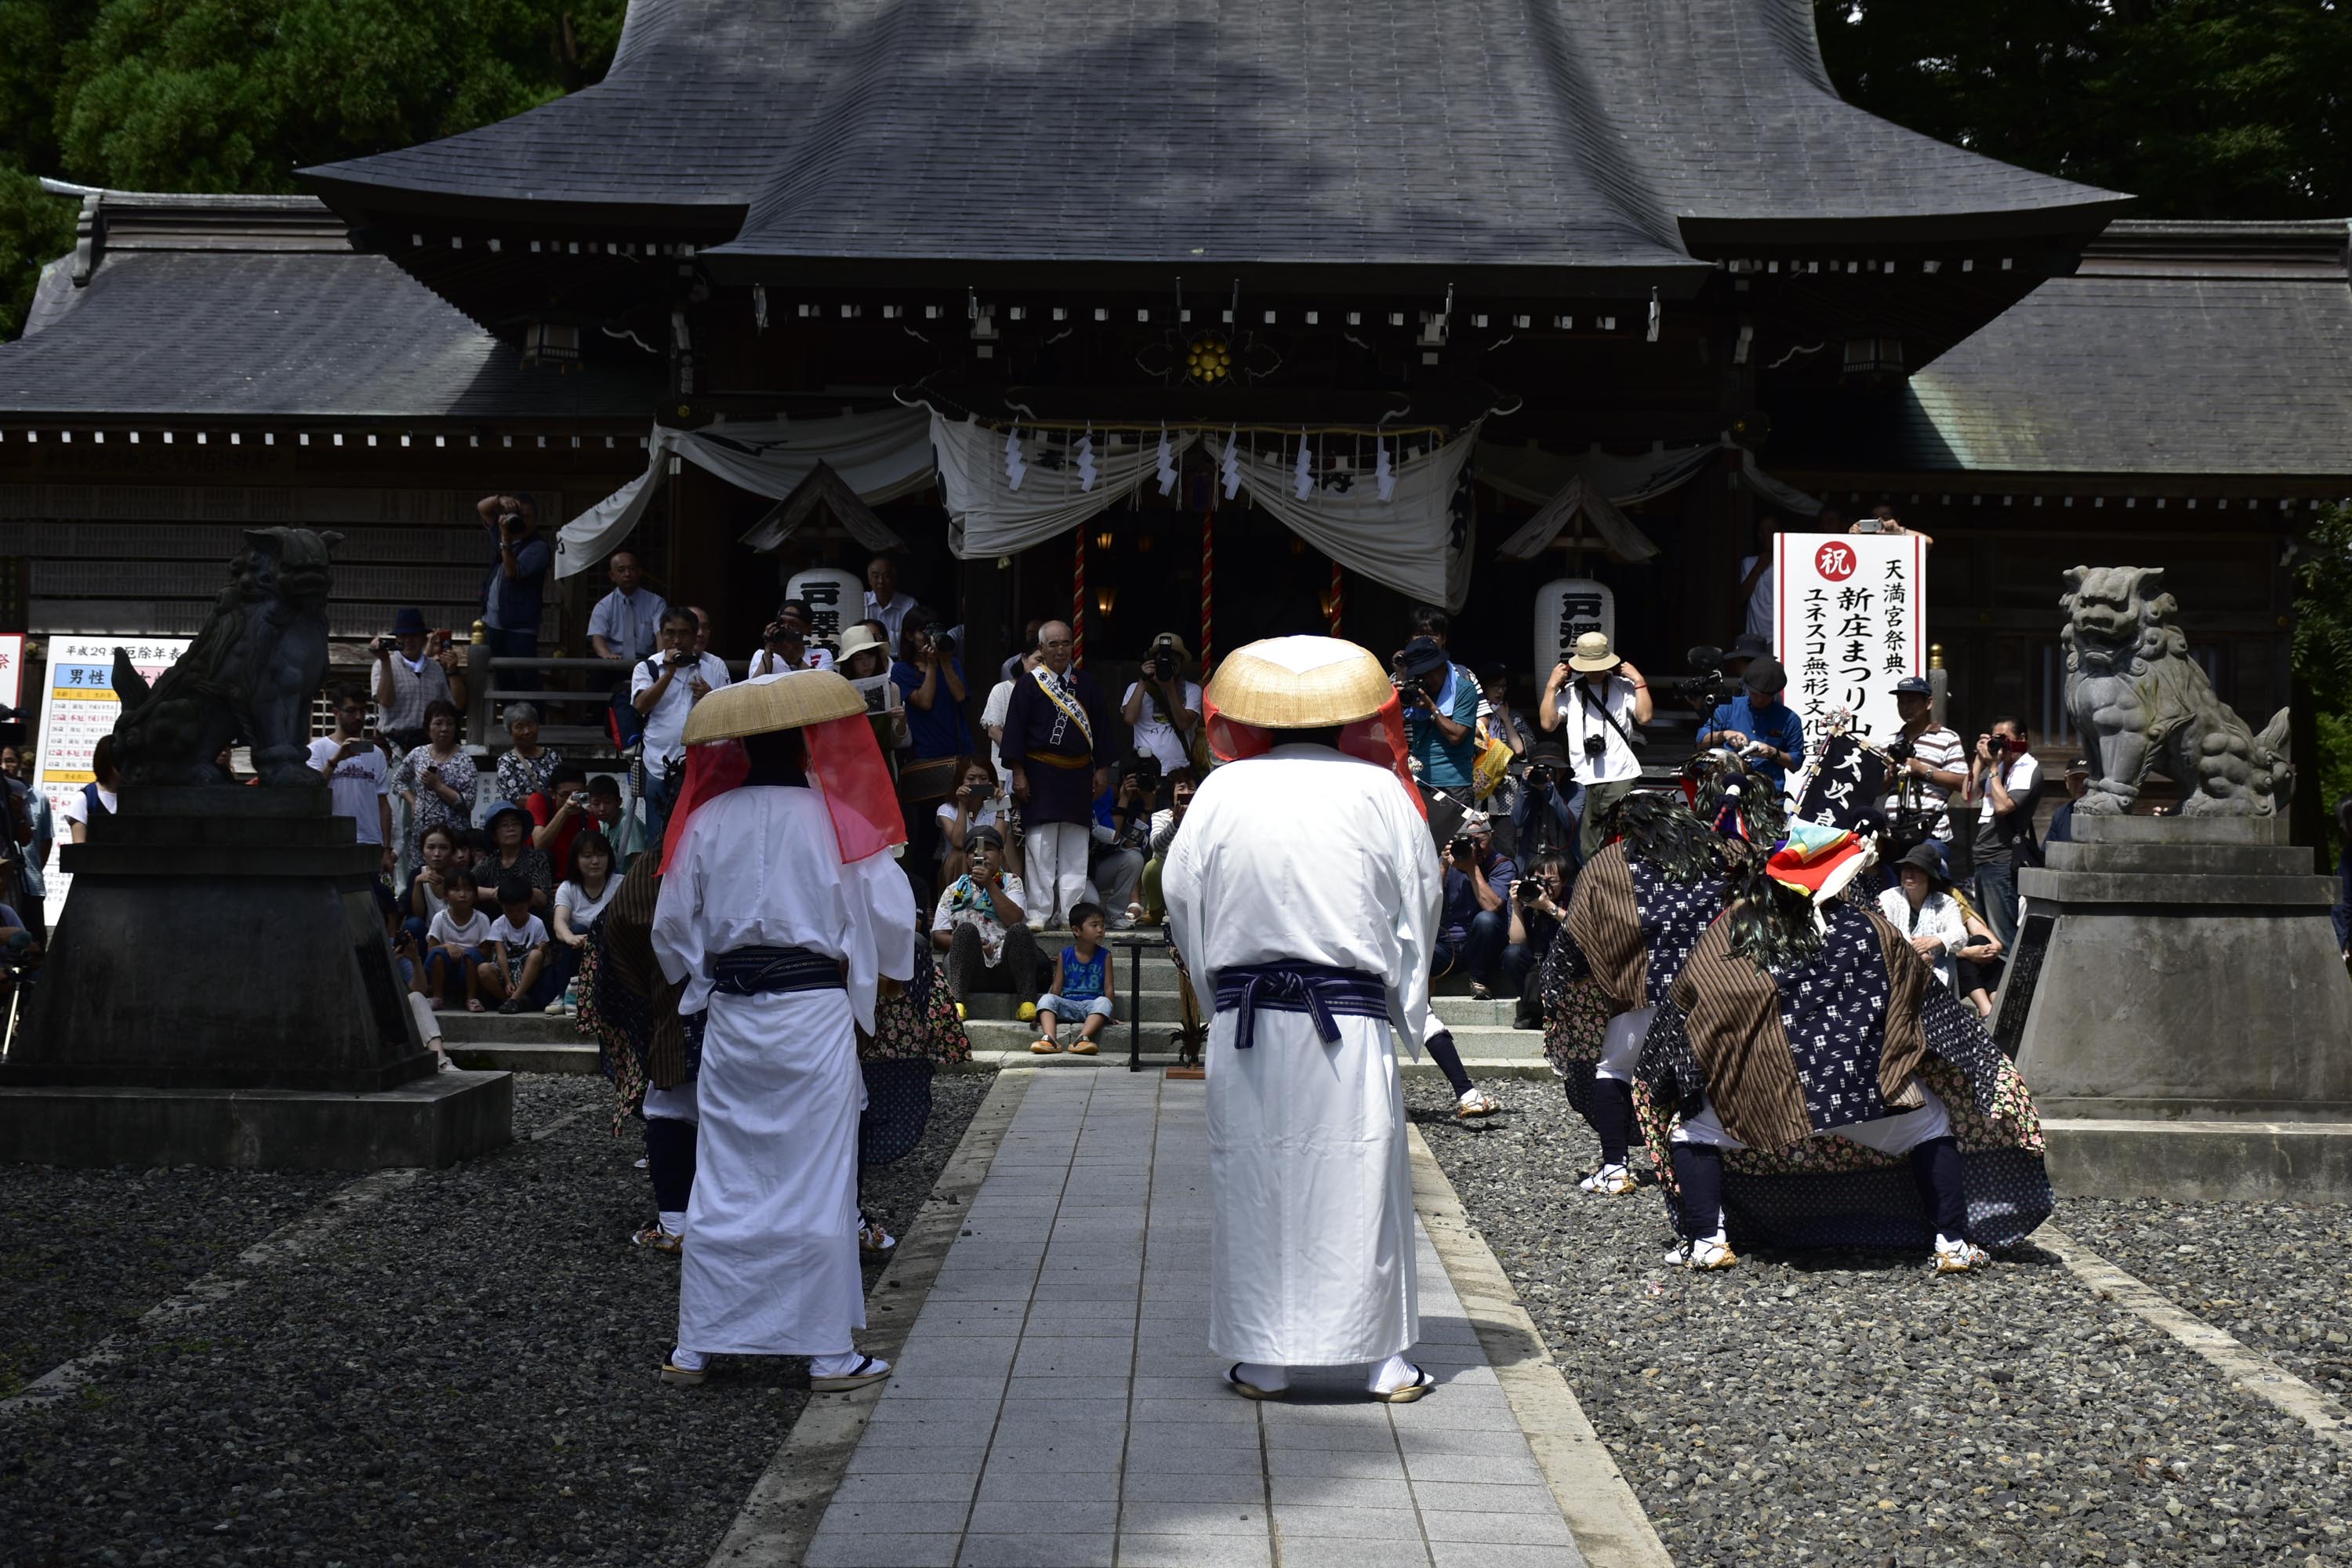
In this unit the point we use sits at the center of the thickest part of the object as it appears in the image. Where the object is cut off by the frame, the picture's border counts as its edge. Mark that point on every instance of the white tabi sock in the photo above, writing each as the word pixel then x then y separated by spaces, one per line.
pixel 1393 1375
pixel 842 1365
pixel 685 1360
pixel 1270 1378
pixel 674 1221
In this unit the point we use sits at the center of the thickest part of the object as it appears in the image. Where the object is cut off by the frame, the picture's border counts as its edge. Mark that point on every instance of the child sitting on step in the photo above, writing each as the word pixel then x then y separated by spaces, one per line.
pixel 1081 988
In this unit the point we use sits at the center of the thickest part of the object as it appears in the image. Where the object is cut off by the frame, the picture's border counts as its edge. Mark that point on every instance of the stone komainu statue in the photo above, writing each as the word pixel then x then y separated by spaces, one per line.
pixel 2144 705
pixel 249 675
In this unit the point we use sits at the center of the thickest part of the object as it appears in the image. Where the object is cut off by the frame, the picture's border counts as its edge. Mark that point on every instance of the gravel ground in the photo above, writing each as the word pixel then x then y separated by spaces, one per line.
pixel 2270 1274
pixel 1849 1409
pixel 463 1374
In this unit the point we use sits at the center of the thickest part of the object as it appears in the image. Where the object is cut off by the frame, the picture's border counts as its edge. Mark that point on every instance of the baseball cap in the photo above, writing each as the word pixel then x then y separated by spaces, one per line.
pixel 1914 686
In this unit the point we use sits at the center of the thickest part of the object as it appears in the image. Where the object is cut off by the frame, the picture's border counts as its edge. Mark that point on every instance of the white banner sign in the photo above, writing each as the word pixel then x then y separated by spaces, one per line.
pixel 12 669
pixel 79 707
pixel 1849 620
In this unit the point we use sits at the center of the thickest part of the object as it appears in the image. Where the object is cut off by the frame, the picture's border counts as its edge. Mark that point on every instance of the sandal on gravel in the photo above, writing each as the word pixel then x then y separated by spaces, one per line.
pixel 654 1238
pixel 682 1377
pixel 1959 1257
pixel 1417 1389
pixel 869 1372
pixel 1611 1180
pixel 873 1240
pixel 1083 1046
pixel 1251 1390
pixel 1044 1048
pixel 1706 1255
pixel 1475 1103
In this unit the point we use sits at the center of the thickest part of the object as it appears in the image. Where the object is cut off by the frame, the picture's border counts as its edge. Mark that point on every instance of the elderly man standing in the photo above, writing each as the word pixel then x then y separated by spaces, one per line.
pixel 781 908
pixel 1050 726
pixel 1313 931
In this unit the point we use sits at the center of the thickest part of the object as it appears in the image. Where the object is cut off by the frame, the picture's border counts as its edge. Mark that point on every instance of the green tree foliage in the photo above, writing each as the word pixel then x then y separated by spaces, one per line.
pixel 2323 654
pixel 235 95
pixel 2211 109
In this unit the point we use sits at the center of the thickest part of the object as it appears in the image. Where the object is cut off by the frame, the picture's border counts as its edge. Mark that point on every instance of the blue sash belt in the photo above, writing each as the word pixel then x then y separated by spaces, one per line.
pixel 1320 990
pixel 761 971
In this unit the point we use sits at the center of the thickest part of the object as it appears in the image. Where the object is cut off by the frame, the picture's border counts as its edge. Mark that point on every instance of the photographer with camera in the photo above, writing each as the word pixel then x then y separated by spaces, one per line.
pixel 1122 835
pixel 1608 700
pixel 1162 708
pixel 1925 762
pixel 664 689
pixel 413 668
pixel 2007 783
pixel 358 776
pixel 513 597
pixel 1539 903
pixel 1543 818
pixel 785 646
pixel 1475 924
pixel 1765 730
pixel 1441 715
pixel 931 679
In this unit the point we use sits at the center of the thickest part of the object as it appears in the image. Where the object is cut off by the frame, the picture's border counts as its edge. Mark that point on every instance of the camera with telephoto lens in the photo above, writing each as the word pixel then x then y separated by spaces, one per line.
pixel 1462 844
pixel 1164 662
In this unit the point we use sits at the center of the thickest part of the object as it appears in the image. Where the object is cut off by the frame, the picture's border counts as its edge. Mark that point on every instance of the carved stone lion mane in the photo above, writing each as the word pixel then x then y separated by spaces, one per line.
pixel 2145 706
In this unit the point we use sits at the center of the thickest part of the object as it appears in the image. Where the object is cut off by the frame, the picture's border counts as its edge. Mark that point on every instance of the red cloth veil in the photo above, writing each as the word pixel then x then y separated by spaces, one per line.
pixel 1379 740
pixel 845 765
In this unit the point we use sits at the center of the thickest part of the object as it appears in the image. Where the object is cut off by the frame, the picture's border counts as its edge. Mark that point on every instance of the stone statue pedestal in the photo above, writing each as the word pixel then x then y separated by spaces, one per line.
pixel 219 991
pixel 2176 1002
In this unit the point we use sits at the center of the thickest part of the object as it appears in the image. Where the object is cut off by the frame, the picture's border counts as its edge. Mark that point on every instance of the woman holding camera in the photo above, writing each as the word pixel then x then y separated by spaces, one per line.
pixel 1608 702
pixel 1161 706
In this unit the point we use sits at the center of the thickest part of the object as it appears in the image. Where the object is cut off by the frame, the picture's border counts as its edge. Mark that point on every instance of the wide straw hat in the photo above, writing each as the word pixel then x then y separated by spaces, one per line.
pixel 1300 683
pixel 857 640
pixel 761 707
pixel 1593 654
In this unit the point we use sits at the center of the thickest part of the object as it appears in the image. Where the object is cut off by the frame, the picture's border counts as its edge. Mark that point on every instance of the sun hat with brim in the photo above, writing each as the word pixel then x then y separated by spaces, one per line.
pixel 499 808
pixel 1926 858
pixel 1593 654
pixel 857 640
pixel 1300 683
pixel 1816 860
pixel 1747 644
pixel 786 701
pixel 409 623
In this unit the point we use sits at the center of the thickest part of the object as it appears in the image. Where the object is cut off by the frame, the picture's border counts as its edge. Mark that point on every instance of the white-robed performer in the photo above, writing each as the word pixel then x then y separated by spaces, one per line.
pixel 781 906
pixel 1304 895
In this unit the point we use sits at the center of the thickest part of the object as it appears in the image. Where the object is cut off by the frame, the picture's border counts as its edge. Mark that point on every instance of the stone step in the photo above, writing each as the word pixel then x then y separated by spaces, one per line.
pixel 1475 1041
pixel 577 1057
pixel 1161 1006
pixel 531 1029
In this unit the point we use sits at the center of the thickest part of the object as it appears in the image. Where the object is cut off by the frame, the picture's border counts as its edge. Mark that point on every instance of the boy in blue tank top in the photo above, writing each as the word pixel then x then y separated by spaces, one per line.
pixel 1081 987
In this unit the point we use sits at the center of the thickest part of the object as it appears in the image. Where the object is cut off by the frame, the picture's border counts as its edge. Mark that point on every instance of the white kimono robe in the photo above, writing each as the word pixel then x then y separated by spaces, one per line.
pixel 1307 855
pixel 771 1265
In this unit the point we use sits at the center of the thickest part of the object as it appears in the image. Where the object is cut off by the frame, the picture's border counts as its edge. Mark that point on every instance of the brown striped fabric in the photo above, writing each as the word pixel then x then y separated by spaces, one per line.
pixel 628 941
pixel 1734 1030
pixel 1606 923
pixel 1907 979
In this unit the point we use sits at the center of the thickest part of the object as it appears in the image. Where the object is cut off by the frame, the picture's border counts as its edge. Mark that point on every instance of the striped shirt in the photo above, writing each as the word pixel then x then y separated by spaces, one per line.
pixel 1941 749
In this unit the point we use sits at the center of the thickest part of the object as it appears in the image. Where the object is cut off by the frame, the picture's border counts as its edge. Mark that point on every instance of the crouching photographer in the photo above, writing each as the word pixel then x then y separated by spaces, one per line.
pixel 1539 904
pixel 1598 700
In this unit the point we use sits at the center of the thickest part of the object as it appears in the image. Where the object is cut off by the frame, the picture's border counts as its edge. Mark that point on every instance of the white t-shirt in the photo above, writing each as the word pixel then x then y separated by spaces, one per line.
pixel 992 717
pixel 519 937
pixel 1937 916
pixel 666 725
pixel 987 815
pixel 581 909
pixel 766 663
pixel 1154 733
pixel 2024 773
pixel 958 906
pixel 357 785
pixel 1760 602
pixel 445 930
pixel 1580 718
pixel 76 808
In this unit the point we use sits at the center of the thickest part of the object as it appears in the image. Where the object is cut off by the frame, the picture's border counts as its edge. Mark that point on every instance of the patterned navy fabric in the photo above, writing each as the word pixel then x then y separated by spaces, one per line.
pixel 1668 1064
pixel 1956 1034
pixel 1674 915
pixel 1834 1010
pixel 897 1107
pixel 2008 1191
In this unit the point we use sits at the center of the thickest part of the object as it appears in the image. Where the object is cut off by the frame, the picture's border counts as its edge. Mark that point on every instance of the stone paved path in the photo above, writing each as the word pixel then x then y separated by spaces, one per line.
pixel 1056 1405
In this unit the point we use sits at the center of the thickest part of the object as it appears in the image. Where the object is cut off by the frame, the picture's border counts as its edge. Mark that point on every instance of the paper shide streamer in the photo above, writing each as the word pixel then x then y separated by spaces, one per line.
pixel 1302 478
pixel 1167 462
pixel 1231 466
pixel 1384 474
pixel 1016 470
pixel 1086 460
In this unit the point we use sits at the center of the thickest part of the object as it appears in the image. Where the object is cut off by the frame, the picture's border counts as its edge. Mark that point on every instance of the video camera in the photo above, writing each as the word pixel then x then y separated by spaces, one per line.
pixel 1707 690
